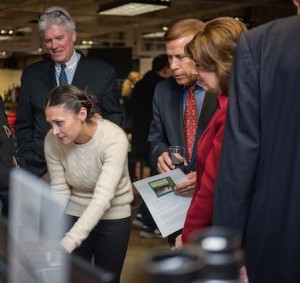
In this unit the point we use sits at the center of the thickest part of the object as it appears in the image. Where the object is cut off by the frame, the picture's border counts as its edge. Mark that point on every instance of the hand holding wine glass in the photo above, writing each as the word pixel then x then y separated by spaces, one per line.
pixel 177 154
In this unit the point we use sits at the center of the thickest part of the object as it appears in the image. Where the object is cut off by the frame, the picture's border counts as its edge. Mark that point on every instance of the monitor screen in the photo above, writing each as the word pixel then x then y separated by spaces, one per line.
pixel 36 226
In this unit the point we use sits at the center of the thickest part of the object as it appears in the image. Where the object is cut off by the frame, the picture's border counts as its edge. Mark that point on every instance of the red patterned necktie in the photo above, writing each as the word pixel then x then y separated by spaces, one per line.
pixel 190 120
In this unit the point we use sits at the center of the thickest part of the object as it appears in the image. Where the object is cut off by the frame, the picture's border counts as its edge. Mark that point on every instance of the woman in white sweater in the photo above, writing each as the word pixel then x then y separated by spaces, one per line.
pixel 87 161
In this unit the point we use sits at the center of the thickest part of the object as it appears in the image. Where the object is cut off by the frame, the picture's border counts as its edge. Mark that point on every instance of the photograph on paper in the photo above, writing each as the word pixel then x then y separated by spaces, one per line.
pixel 162 186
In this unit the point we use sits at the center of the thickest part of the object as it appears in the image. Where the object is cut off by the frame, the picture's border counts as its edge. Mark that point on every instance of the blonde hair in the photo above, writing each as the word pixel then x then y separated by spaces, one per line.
pixel 213 48
pixel 129 83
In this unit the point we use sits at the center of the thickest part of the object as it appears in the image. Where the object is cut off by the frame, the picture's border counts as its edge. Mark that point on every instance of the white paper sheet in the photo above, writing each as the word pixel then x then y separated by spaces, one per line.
pixel 167 208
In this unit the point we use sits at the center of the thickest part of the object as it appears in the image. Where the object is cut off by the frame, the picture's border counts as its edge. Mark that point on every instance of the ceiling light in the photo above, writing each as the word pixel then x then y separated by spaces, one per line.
pixel 87 42
pixel 132 7
pixel 158 34
pixel 5 54
pixel 6 34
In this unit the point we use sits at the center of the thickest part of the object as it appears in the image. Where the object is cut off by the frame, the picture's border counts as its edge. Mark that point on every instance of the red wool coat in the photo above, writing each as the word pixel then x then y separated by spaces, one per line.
pixel 209 147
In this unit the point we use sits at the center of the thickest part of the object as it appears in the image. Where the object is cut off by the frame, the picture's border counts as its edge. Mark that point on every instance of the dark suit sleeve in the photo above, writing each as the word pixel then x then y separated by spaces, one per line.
pixel 7 150
pixel 30 153
pixel 241 146
pixel 110 103
pixel 157 137
pixel 6 164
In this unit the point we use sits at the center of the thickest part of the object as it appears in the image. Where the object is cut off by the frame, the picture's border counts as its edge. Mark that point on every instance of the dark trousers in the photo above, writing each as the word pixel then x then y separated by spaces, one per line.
pixel 107 243
pixel 143 209
pixel 4 204
pixel 147 217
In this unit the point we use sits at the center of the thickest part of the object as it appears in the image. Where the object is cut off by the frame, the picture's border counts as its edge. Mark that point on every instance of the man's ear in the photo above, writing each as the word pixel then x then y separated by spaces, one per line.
pixel 74 36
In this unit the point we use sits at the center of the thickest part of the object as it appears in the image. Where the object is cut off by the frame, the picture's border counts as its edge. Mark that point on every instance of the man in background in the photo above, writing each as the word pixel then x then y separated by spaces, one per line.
pixel 142 98
pixel 172 103
pixel 258 184
pixel 66 66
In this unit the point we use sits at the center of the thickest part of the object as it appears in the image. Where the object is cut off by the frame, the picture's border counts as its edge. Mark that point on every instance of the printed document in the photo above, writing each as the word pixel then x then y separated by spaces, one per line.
pixel 167 208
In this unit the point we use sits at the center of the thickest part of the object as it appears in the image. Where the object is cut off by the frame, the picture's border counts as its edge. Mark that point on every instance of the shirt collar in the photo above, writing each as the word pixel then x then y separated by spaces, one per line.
pixel 198 86
pixel 70 65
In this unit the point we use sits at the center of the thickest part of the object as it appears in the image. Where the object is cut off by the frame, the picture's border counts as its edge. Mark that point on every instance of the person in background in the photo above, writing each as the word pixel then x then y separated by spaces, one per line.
pixel 212 50
pixel 142 98
pixel 127 87
pixel 129 83
pixel 66 66
pixel 172 119
pixel 7 158
pixel 87 161
pixel 257 188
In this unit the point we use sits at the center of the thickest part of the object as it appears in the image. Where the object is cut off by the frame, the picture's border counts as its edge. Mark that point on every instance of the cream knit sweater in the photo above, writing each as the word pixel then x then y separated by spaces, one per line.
pixel 91 179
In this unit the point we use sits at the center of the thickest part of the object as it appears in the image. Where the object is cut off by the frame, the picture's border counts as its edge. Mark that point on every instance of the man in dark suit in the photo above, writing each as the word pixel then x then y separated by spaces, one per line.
pixel 258 184
pixel 7 157
pixel 142 98
pixel 66 65
pixel 169 105
pixel 142 114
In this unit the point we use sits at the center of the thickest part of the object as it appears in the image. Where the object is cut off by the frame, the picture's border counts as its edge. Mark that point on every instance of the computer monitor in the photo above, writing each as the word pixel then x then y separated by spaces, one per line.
pixel 37 224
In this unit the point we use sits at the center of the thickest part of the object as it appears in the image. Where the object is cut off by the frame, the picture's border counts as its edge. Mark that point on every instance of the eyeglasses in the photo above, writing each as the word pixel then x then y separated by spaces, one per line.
pixel 55 14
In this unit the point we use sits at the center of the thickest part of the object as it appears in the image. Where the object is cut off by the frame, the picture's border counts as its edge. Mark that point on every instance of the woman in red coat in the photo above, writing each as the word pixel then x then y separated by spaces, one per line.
pixel 212 51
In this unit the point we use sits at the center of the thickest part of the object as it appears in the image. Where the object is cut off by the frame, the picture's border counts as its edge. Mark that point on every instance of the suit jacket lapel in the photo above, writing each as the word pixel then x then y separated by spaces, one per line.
pixel 81 73
pixel 209 107
pixel 49 81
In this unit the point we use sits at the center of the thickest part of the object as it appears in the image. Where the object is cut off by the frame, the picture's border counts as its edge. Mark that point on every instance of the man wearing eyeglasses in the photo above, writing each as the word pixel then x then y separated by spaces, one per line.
pixel 66 66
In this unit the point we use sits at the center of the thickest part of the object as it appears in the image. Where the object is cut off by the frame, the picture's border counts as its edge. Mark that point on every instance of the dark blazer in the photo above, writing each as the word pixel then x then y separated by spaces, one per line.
pixel 167 126
pixel 37 81
pixel 258 183
pixel 7 154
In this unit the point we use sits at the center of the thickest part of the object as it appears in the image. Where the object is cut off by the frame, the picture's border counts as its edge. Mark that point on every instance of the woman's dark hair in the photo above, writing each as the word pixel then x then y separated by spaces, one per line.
pixel 72 99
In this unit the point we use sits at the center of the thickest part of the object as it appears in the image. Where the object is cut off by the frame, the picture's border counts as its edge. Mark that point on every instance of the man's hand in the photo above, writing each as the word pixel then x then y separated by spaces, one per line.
pixel 187 187
pixel 164 163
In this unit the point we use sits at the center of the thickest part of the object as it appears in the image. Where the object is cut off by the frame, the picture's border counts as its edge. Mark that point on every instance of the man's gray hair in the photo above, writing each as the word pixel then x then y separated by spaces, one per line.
pixel 47 19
